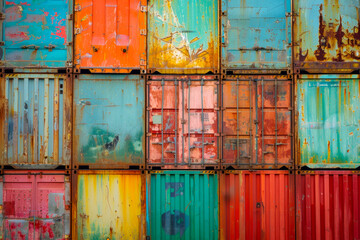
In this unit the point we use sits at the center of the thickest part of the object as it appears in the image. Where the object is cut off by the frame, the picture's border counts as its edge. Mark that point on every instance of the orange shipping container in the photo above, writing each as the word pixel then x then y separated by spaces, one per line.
pixel 110 36
pixel 257 205
pixel 257 122
pixel 182 121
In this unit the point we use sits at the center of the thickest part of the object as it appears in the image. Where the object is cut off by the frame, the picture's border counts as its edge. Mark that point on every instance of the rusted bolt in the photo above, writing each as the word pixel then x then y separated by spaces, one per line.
pixel 95 49
pixel 124 50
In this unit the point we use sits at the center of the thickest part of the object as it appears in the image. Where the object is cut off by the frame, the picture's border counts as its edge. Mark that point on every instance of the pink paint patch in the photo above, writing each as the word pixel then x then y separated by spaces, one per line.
pixel 46 13
pixel 60 32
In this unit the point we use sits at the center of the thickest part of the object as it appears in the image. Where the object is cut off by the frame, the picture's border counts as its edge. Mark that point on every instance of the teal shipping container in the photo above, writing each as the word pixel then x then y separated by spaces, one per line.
pixel 36 34
pixel 328 119
pixel 109 121
pixel 256 36
pixel 182 205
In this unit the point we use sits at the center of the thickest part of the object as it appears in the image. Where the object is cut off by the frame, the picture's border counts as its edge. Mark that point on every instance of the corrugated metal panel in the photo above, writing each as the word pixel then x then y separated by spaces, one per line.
pixel 183 205
pixel 183 36
pixel 182 121
pixel 37 34
pixel 110 36
pixel 109 205
pixel 328 113
pixel 36 205
pixel 109 121
pixel 327 205
pixel 326 35
pixel 256 35
pixel 37 121
pixel 257 205
pixel 257 122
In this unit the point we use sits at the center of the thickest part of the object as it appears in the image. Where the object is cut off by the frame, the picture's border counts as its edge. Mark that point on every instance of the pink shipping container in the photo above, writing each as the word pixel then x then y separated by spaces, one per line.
pixel 35 205
pixel 182 122
pixel 327 205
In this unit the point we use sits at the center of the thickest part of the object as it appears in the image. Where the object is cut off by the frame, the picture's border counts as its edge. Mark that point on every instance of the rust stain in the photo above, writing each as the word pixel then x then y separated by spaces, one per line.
pixel 320 53
pixel 329 152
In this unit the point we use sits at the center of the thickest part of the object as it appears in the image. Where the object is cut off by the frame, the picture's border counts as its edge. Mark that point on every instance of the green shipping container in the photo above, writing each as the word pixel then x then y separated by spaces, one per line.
pixel 182 205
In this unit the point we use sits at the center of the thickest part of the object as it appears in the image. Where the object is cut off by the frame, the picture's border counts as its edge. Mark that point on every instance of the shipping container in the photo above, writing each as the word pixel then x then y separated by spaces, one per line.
pixel 109 121
pixel 257 205
pixel 182 113
pixel 37 120
pixel 328 113
pixel 35 205
pixel 327 205
pixel 109 205
pixel 36 34
pixel 326 35
pixel 110 36
pixel 182 205
pixel 256 36
pixel 257 122
pixel 183 36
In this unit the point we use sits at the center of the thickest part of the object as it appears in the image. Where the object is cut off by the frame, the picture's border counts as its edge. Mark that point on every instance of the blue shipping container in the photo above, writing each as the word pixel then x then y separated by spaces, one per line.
pixel 36 34
pixel 256 35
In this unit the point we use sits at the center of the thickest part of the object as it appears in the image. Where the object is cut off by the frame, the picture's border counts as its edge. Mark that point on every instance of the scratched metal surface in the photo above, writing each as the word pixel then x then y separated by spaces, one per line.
pixel 109 121
pixel 183 36
pixel 326 34
pixel 256 34
pixel 36 206
pixel 182 205
pixel 36 34
pixel 328 121
pixel 110 36
pixel 35 121
pixel 109 205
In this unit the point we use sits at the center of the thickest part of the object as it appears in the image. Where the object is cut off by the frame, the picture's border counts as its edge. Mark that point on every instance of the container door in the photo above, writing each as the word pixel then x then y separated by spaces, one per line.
pixel 183 41
pixel 37 33
pixel 35 120
pixel 256 34
pixel 19 209
pixel 327 35
pixel 110 36
pixel 183 122
pixel 328 122
pixel 109 121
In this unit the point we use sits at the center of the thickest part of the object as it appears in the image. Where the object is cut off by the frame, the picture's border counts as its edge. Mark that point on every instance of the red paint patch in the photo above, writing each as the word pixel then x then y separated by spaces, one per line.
pixel 17 36
pixel 46 14
pixel 60 32
pixel 46 228
pixel 21 3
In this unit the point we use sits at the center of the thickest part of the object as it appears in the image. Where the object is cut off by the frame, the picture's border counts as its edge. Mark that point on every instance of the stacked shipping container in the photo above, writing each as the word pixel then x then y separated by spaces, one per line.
pixel 179 119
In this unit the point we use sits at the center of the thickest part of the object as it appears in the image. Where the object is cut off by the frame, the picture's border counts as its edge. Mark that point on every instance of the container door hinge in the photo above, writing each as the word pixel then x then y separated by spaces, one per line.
pixel 143 8
pixel 69 17
pixel 143 32
pixel 291 14
pixel 293 44
pixel 224 13
pixel 69 64
pixel 142 62
pixel 2 16
pixel 2 43
pixel 77 8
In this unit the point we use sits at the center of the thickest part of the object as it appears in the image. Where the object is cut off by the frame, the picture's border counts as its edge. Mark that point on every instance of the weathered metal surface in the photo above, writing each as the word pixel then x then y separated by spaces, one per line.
pixel 36 34
pixel 109 121
pixel 110 36
pixel 327 205
pixel 182 121
pixel 182 205
pixel 35 205
pixel 326 35
pixel 328 119
pixel 37 120
pixel 109 205
pixel 183 36
pixel 257 122
pixel 256 35
pixel 257 205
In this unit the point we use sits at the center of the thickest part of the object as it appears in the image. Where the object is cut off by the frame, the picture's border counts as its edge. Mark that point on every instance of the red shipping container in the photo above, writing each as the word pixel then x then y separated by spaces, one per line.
pixel 182 121
pixel 257 205
pixel 36 205
pixel 257 122
pixel 327 205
